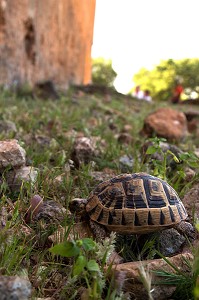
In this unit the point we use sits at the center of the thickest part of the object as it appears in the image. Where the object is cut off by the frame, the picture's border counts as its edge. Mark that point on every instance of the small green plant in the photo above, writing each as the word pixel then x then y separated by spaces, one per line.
pixel 146 279
pixel 190 159
pixel 90 258
pixel 185 281
pixel 160 167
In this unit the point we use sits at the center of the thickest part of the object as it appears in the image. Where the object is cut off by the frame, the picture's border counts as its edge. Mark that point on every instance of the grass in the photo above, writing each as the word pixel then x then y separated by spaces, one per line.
pixel 43 130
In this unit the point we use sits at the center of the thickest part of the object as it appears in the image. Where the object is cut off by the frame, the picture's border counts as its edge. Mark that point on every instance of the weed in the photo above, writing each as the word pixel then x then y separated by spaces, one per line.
pixel 89 261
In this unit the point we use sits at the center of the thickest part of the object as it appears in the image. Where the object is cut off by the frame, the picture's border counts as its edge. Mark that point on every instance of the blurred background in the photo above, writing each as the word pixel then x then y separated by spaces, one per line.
pixel 139 34
pixel 121 44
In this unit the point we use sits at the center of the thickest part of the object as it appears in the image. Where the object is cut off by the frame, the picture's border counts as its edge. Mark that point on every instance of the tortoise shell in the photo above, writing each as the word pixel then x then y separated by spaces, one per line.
pixel 135 203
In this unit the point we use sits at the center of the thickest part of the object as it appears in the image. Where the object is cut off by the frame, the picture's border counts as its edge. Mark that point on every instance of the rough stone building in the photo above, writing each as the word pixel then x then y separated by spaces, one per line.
pixel 46 40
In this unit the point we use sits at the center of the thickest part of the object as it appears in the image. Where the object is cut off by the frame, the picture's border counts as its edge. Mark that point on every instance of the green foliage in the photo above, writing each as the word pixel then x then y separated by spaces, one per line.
pixel 89 260
pixel 160 167
pixel 82 251
pixel 102 72
pixel 186 281
pixel 163 77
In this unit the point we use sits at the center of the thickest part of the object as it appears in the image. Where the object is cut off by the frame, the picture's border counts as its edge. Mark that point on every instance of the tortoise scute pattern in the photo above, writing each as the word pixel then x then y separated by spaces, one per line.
pixel 135 203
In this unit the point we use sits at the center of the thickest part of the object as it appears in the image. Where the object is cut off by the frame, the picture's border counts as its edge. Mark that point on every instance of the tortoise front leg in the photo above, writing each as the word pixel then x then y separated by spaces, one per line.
pixel 99 231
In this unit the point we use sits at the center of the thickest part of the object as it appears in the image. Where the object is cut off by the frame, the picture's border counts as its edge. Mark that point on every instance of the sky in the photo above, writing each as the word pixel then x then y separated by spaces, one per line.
pixel 140 33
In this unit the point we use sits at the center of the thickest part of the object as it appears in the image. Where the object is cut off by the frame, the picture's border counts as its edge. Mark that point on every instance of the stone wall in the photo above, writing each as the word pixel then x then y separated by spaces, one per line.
pixel 46 40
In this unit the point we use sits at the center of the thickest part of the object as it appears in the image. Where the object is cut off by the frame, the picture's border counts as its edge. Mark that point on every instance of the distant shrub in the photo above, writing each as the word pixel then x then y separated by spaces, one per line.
pixel 102 72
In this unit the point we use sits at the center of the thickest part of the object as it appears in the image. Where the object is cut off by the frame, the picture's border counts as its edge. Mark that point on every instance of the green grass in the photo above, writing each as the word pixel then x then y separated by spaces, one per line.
pixel 90 115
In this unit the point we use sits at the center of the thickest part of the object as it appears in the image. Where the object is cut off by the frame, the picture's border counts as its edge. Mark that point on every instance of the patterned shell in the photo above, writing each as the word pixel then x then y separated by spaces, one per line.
pixel 135 203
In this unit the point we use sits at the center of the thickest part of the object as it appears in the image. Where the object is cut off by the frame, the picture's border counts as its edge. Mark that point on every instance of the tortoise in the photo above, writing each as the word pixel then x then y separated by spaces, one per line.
pixel 136 203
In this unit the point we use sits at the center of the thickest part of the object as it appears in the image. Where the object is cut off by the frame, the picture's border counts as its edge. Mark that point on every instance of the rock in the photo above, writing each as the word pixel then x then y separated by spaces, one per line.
pixel 42 140
pixel 26 174
pixel 191 114
pixel 126 163
pixel 193 125
pixel 51 212
pixel 167 123
pixel 189 174
pixel 7 128
pixel 170 242
pixel 196 133
pixel 85 149
pixel 3 217
pixel 128 275
pixel 11 154
pixel 196 152
pixel 187 229
pixel 60 179
pixel 73 134
pixel 192 119
pixel 112 125
pixel 93 122
pixel 99 176
pixel 14 287
pixel 125 138
pixel 127 128
pixel 191 202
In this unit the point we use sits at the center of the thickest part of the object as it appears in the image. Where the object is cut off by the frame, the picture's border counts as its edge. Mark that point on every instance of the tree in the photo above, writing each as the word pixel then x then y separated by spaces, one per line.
pixel 161 80
pixel 102 72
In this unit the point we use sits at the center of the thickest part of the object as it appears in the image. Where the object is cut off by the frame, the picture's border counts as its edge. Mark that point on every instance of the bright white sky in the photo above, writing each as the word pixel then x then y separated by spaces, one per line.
pixel 139 33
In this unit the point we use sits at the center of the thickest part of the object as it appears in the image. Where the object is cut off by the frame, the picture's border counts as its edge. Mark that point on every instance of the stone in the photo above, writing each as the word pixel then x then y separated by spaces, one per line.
pixel 51 212
pixel 26 174
pixel 125 138
pixel 167 123
pixel 196 152
pixel 128 275
pixel 189 174
pixel 85 149
pixel 42 140
pixel 187 230
pixel 191 114
pixel 7 128
pixel 73 134
pixel 127 128
pixel 126 163
pixel 37 52
pixel 11 154
pixel 170 242
pixel 3 217
pixel 193 125
pixel 15 287
pixel 59 180
pixel 191 202
pixel 100 176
